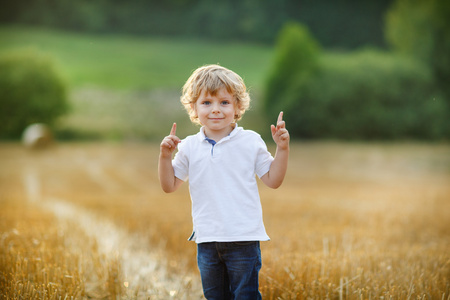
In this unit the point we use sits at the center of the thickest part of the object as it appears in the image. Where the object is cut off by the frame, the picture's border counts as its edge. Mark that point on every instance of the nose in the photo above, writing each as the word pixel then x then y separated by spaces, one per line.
pixel 216 108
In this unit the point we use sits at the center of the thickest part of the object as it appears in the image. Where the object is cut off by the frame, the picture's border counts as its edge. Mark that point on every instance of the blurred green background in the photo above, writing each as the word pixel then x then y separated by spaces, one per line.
pixel 354 70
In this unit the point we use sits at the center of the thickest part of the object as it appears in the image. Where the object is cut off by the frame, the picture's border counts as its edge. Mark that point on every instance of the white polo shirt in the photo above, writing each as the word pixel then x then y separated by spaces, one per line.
pixel 225 200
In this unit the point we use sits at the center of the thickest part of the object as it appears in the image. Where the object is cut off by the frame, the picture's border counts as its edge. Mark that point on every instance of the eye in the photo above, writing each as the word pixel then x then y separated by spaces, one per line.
pixel 225 102
pixel 206 102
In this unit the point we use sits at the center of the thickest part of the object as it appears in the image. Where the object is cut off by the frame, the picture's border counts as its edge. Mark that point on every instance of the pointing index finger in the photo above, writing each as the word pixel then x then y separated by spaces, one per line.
pixel 280 117
pixel 173 131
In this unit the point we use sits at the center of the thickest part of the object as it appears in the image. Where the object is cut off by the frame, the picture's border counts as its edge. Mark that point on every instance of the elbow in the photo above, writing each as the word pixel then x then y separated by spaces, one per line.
pixel 275 185
pixel 272 182
pixel 167 190
pixel 276 182
pixel 169 185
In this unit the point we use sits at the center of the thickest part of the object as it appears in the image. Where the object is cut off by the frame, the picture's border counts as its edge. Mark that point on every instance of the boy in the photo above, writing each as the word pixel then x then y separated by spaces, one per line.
pixel 221 162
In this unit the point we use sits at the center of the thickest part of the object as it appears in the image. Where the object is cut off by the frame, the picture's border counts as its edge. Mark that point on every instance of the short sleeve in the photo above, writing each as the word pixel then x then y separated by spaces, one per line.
pixel 180 163
pixel 263 158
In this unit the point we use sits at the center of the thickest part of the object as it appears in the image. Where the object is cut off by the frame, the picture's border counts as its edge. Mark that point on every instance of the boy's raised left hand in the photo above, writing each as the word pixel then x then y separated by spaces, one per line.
pixel 280 134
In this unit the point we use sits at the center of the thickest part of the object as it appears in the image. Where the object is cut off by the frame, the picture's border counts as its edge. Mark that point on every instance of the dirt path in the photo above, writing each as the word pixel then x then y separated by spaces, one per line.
pixel 144 271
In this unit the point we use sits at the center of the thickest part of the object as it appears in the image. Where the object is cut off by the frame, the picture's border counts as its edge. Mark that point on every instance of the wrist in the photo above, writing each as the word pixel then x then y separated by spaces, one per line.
pixel 163 155
pixel 283 147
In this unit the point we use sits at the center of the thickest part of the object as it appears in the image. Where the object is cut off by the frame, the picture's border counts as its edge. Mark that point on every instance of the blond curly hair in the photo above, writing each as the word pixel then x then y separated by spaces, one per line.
pixel 211 78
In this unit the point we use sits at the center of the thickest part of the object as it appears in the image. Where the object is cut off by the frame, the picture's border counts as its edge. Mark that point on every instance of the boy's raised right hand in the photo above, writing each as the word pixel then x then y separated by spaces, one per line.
pixel 170 142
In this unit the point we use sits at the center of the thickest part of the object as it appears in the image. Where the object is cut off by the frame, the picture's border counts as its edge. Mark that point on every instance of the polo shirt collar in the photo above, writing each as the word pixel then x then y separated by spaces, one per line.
pixel 202 137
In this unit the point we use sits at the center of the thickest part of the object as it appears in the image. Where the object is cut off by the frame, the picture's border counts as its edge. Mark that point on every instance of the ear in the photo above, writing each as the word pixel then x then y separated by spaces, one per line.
pixel 237 114
pixel 237 110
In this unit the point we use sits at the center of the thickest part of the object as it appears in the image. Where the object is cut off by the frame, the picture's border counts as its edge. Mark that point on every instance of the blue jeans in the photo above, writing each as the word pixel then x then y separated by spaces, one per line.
pixel 229 270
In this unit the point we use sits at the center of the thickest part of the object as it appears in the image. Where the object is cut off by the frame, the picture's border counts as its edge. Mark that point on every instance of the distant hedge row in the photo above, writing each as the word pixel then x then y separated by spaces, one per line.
pixel 31 91
pixel 336 23
pixel 363 95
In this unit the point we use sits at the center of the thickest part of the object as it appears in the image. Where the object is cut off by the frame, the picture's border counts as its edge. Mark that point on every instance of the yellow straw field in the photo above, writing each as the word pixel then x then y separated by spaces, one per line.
pixel 351 221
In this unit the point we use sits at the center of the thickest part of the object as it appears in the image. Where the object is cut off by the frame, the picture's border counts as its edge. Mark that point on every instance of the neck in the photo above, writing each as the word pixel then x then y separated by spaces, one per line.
pixel 218 135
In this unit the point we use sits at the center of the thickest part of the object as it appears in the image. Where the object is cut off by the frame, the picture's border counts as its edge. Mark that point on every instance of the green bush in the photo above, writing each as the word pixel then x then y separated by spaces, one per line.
pixel 296 60
pixel 31 90
pixel 366 95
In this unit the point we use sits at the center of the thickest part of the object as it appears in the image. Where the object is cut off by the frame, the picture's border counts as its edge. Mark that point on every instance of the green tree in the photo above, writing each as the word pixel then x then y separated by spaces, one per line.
pixel 295 61
pixel 422 29
pixel 31 91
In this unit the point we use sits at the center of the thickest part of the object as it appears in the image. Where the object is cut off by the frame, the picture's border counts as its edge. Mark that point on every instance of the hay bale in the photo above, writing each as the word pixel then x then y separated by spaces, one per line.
pixel 37 136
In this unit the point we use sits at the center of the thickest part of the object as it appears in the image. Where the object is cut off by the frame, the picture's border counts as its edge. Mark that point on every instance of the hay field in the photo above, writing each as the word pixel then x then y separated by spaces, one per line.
pixel 352 221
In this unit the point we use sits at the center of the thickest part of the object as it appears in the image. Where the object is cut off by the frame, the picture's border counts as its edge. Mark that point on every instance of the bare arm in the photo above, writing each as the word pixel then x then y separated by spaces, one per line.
pixel 274 178
pixel 169 183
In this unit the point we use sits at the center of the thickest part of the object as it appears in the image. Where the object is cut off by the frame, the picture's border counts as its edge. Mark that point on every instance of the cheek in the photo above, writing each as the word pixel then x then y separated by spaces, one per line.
pixel 200 111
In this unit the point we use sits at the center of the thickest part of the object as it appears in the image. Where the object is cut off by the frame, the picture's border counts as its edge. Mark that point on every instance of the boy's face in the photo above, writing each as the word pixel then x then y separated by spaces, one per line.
pixel 216 113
